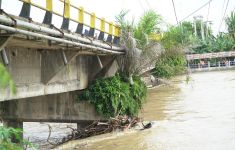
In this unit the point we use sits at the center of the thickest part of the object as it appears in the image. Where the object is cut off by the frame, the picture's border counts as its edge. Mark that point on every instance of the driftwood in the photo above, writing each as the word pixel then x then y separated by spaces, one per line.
pixel 98 127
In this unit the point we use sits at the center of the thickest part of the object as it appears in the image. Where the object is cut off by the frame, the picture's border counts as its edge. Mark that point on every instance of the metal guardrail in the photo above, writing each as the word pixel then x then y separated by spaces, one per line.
pixel 211 65
pixel 210 55
pixel 113 31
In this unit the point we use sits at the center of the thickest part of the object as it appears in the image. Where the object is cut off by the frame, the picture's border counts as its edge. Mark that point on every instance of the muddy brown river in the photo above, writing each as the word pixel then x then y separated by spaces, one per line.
pixel 199 115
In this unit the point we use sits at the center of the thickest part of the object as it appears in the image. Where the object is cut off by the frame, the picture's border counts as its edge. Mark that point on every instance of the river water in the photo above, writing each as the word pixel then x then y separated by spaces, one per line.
pixel 199 115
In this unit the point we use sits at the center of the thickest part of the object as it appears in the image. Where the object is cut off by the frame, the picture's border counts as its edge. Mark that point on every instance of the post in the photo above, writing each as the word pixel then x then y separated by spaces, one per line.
pixel 66 15
pixel 202 30
pixel 110 34
pixel 208 65
pixel 92 25
pixel 48 16
pixel 219 64
pixel 80 20
pixel 116 35
pixel 195 26
pixel 25 10
pixel 102 29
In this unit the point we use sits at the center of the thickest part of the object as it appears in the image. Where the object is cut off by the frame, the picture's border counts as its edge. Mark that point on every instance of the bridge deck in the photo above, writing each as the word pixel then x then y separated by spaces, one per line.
pixel 210 55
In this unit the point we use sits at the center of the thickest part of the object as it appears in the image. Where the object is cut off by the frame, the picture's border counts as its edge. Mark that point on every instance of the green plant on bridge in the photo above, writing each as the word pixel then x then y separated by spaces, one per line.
pixel 116 96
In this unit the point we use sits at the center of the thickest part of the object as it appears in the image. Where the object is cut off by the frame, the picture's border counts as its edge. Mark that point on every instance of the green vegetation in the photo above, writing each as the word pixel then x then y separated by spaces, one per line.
pixel 148 24
pixel 7 134
pixel 230 22
pixel 170 63
pixel 135 37
pixel 116 96
pixel 5 79
pixel 223 42
pixel 181 35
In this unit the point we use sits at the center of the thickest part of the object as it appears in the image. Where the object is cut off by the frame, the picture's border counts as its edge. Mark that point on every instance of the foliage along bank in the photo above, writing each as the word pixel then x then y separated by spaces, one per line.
pixel 171 62
pixel 6 136
pixel 116 96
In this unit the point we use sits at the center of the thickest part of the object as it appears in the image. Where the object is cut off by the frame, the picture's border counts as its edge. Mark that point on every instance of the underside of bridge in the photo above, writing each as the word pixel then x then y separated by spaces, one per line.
pixel 49 71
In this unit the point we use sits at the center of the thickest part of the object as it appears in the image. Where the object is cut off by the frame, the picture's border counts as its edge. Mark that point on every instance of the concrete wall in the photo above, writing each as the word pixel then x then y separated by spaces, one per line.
pixel 50 108
pixel 38 72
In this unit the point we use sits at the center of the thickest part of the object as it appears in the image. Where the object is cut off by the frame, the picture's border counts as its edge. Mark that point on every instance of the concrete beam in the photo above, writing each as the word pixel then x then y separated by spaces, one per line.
pixel 50 108
pixel 52 62
pixel 38 89
pixel 109 68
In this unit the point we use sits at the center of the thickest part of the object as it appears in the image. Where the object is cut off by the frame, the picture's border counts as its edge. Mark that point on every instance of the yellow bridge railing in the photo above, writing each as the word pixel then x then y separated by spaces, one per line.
pixel 113 31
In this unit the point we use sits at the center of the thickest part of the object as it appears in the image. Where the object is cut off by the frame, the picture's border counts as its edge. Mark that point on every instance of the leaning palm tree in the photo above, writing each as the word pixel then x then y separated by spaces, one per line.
pixel 135 39
pixel 127 40
pixel 230 22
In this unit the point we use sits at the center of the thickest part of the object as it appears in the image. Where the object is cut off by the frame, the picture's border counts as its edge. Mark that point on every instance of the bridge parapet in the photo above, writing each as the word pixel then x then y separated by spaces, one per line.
pixel 210 55
pixel 113 31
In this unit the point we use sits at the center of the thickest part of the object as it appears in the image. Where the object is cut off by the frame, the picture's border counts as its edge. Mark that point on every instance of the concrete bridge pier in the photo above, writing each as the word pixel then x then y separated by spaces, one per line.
pixel 62 107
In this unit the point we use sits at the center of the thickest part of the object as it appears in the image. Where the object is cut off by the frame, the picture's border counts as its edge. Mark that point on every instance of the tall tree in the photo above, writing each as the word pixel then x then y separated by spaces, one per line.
pixel 230 22
pixel 148 24
pixel 135 39
pixel 181 35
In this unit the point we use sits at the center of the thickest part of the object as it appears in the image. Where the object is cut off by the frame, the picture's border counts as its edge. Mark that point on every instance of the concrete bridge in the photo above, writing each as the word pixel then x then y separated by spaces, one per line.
pixel 50 65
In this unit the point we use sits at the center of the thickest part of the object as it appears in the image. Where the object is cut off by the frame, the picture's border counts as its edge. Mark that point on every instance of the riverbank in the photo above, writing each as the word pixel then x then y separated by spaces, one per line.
pixel 87 142
pixel 38 132
pixel 84 143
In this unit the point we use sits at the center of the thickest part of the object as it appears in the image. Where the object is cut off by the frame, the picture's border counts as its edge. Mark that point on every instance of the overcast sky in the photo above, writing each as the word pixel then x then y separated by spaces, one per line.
pixel 110 8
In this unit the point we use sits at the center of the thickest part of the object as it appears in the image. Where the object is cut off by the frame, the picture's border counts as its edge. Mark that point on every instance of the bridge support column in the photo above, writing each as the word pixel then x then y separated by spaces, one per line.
pixel 14 124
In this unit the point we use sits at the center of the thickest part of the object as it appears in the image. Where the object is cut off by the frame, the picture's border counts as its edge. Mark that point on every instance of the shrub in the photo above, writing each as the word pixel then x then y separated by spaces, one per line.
pixel 170 63
pixel 115 96
pixel 6 134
